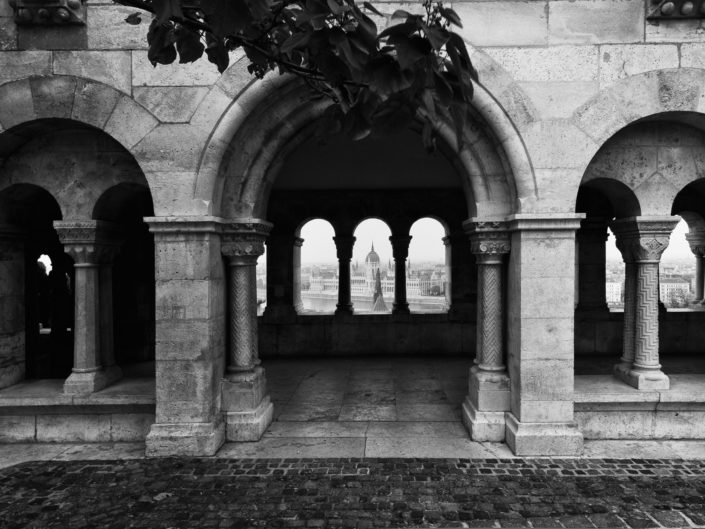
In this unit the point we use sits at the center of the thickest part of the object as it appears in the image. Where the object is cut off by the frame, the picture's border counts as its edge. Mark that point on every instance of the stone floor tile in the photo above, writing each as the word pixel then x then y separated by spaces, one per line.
pixel 102 451
pixel 369 397
pixel 417 429
pixel 295 447
pixel 309 412
pixel 368 412
pixel 422 447
pixel 422 397
pixel 317 429
pixel 427 412
pixel 627 449
pixel 13 454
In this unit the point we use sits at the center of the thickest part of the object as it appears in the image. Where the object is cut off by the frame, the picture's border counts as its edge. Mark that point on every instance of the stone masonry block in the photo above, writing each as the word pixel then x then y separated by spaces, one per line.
pixel 53 96
pixel 547 338
pixel 18 104
pixel 183 299
pixel 93 103
pixel 129 122
pixel 236 78
pixel 109 67
pixel 503 23
pixel 130 426
pixel 200 73
pixel 544 411
pixel 8 33
pixel 20 64
pixel 171 147
pixel 595 22
pixel 545 378
pixel 185 439
pixel 170 104
pixel 209 112
pixel 546 297
pixel 557 63
pixel 632 424
pixel 618 62
pixel 107 29
pixel 185 388
pixel 575 149
pixel 17 428
pixel 188 258
pixel 556 439
pixel 183 339
pixel 559 99
pixel 73 428
pixel 683 31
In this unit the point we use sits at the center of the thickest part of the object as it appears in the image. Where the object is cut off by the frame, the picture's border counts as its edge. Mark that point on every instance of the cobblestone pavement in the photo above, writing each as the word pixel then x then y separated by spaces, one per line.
pixel 353 493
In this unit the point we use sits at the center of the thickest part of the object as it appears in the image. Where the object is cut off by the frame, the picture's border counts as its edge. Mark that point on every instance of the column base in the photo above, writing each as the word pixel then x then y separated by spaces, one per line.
pixel 185 439
pixel 489 390
pixel 249 425
pixel 642 379
pixel 483 425
pixel 85 383
pixel 543 439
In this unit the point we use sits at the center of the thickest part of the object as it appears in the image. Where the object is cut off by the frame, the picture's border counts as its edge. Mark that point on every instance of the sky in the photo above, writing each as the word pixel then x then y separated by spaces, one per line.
pixel 426 242
pixel 678 248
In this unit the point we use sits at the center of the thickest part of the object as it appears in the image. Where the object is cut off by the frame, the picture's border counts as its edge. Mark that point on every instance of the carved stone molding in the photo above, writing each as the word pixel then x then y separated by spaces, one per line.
pixel 488 239
pixel 643 239
pixel 593 230
pixel 49 12
pixel 89 241
pixel 344 247
pixel 697 243
pixel 400 247
pixel 243 240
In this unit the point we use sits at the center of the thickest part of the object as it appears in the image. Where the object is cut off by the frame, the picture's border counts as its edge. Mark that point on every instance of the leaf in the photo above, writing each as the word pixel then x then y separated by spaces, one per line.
pixel 134 19
pixel 451 16
pixel 437 36
pixel 189 46
pixel 405 28
pixel 410 50
pixel 372 8
pixel 400 13
pixel 336 8
pixel 166 10
pixel 296 40
pixel 216 53
pixel 226 17
pixel 161 46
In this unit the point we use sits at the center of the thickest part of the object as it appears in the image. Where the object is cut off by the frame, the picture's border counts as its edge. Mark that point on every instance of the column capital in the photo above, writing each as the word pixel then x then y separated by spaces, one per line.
pixel 298 241
pixel 243 241
pixel 489 241
pixel 696 240
pixel 643 239
pixel 344 246
pixel 593 229
pixel 89 241
pixel 400 246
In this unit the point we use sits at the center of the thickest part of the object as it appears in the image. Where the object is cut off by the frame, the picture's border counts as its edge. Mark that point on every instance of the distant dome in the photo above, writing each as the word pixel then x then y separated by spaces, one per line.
pixel 372 257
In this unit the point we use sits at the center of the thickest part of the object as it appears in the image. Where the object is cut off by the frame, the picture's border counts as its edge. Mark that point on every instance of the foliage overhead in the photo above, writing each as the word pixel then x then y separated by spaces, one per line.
pixel 378 81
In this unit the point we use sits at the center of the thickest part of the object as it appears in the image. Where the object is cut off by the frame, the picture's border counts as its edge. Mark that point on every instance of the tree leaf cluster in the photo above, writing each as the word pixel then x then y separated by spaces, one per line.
pixel 378 81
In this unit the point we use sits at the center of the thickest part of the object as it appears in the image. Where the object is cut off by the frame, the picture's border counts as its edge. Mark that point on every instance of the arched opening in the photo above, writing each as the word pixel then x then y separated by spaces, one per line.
pixel 124 206
pixel 428 267
pixel 318 286
pixel 37 307
pixel 372 276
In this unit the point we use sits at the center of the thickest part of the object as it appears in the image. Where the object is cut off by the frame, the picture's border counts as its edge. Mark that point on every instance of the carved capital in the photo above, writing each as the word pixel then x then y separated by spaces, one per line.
pixel 49 12
pixel 244 240
pixel 400 247
pixel 643 239
pixel 298 241
pixel 593 230
pixel 89 241
pixel 344 246
pixel 697 243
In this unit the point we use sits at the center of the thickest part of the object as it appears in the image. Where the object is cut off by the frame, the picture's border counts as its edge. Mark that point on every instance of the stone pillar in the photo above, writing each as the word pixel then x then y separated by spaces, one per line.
pixel 344 248
pixel 448 292
pixel 298 304
pixel 540 337
pixel 697 246
pixel 488 390
pixel 248 409
pixel 190 336
pixel 591 238
pixel 281 276
pixel 642 240
pixel 400 251
pixel 91 244
pixel 12 306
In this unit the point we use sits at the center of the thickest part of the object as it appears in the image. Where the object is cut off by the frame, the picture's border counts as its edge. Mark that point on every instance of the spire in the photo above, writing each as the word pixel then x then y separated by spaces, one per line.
pixel 373 247
pixel 378 304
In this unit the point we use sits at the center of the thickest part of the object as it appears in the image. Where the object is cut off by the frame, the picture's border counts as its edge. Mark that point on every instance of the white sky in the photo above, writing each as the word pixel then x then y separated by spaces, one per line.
pixel 678 248
pixel 426 244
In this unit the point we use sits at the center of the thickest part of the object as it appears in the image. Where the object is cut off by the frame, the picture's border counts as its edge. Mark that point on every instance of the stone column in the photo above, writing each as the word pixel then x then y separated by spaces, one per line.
pixel 642 240
pixel 90 243
pixel 591 238
pixel 344 248
pixel 190 295
pixel 488 390
pixel 540 335
pixel 448 292
pixel 298 304
pixel 697 246
pixel 400 251
pixel 12 306
pixel 248 409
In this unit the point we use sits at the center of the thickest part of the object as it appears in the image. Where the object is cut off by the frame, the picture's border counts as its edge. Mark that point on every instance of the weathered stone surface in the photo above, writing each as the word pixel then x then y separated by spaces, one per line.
pixel 683 31
pixel 17 428
pixel 129 122
pixel 52 37
pixel 73 428
pixel 8 34
pixel 171 104
pixel 559 99
pixel 130 426
pixel 18 104
pixel 108 30
pixel 618 62
pixel 93 103
pixel 692 55
pixel 595 22
pixel 20 64
pixel 200 73
pixel 109 67
pixel 574 150
pixel 557 63
pixel 171 147
pixel 53 96
pixel 503 23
